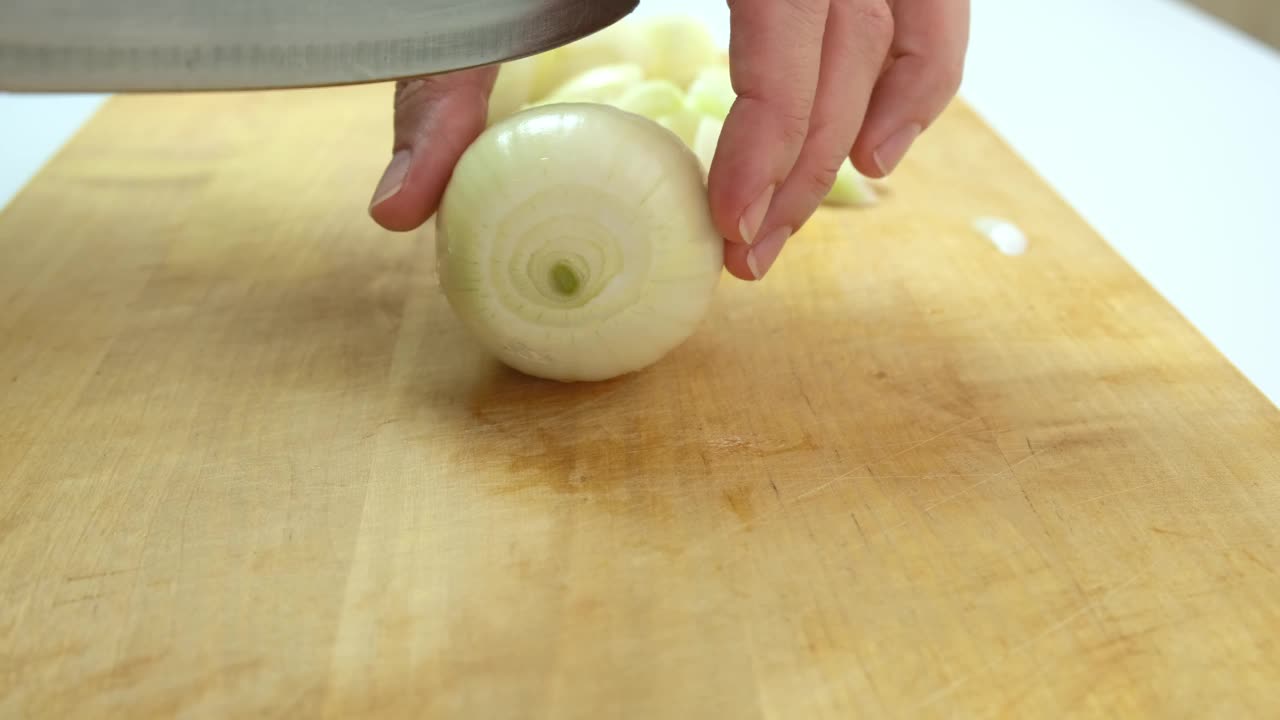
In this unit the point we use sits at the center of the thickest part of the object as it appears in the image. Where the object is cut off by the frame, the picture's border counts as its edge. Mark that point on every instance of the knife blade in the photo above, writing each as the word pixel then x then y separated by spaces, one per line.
pixel 192 45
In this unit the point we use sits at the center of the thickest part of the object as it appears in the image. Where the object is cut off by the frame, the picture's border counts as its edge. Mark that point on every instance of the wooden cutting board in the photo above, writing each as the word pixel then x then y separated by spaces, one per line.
pixel 251 466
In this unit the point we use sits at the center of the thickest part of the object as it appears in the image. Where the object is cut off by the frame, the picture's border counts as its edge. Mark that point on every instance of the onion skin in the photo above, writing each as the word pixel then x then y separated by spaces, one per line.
pixel 575 242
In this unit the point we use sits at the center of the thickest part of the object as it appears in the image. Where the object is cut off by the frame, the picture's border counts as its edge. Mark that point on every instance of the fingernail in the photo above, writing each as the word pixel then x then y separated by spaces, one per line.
pixel 753 216
pixel 392 178
pixel 891 151
pixel 764 253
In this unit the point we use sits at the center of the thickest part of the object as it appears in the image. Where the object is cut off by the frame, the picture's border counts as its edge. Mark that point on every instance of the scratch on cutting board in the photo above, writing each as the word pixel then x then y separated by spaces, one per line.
pixel 914 446
pixel 967 433
pixel 945 691
pixel 829 483
pixel 933 506
pixel 877 476
pixel 784 505
pixel 849 475
pixel 1175 533
pixel 924 442
pixel 100 574
pixel 985 479
pixel 1254 558
pixel 1007 471
pixel 82 598
pixel 1113 494
pixel 954 496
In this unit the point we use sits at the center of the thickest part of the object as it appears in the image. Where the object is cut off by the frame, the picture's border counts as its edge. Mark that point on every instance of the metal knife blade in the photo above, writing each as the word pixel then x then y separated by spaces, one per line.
pixel 186 45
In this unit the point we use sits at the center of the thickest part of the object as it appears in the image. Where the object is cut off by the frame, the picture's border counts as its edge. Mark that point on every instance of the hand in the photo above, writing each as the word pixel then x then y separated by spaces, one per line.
pixel 819 81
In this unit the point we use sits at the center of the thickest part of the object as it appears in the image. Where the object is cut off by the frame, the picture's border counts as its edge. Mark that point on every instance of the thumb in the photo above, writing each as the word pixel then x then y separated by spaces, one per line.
pixel 436 118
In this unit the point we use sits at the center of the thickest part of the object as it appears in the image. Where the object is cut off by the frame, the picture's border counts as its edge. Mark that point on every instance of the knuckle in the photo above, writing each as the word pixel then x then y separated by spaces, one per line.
pixel 787 119
pixel 876 17
pixel 822 176
pixel 413 92
pixel 793 125
pixel 808 12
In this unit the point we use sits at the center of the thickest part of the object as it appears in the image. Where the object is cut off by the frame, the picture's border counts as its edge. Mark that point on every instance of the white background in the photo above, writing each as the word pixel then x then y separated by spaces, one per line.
pixel 1158 124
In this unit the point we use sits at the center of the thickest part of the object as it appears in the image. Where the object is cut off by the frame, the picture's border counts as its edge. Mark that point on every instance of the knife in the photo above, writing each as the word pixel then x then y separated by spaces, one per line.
pixel 190 45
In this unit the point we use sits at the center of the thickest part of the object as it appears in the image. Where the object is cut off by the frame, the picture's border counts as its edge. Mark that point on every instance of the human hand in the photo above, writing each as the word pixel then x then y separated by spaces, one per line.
pixel 818 81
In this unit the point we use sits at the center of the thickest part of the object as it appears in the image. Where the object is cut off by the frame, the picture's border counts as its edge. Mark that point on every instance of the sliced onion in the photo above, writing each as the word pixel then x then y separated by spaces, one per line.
pixel 652 99
pixel 615 45
pixel 604 84
pixel 851 188
pixel 575 242
pixel 684 123
pixel 712 93
pixel 513 88
pixel 674 48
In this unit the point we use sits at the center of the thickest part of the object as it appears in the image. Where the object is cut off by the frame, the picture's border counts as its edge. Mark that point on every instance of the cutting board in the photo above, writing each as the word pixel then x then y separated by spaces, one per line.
pixel 251 465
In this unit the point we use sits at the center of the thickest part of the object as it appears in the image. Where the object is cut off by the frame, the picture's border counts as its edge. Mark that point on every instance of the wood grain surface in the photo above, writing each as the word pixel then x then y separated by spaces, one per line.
pixel 250 466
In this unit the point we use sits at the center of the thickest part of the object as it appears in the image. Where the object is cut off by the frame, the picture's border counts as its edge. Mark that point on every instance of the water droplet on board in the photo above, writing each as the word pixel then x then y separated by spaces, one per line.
pixel 1007 237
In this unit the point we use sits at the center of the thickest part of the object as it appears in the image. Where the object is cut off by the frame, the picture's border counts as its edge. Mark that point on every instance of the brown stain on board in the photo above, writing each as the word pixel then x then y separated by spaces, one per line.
pixel 611 443
pixel 738 499
pixel 545 433
pixel 637 442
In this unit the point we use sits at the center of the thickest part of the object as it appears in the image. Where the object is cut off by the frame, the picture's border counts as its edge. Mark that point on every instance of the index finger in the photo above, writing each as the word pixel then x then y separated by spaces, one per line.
pixel 775 49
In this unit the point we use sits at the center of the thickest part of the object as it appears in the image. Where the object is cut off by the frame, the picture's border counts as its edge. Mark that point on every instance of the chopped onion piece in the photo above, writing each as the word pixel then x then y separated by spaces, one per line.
pixel 851 188
pixel 684 123
pixel 615 45
pixel 675 48
pixel 604 84
pixel 513 88
pixel 652 99
pixel 712 92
